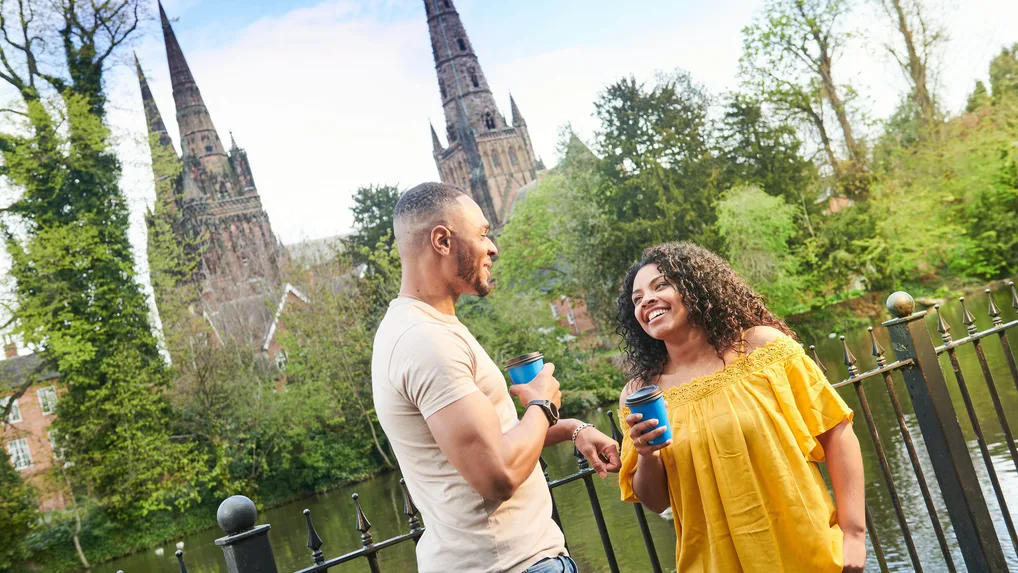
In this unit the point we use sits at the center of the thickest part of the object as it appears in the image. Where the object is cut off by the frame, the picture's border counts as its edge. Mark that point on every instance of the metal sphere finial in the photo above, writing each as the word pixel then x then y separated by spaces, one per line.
pixel 900 304
pixel 236 514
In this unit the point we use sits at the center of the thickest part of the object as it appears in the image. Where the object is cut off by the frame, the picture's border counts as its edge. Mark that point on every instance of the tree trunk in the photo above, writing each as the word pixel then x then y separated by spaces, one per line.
pixel 77 529
pixel 916 67
pixel 831 91
pixel 818 123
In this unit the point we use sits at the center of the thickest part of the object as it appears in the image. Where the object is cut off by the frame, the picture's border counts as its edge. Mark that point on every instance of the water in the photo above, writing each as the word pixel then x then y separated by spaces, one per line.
pixel 334 513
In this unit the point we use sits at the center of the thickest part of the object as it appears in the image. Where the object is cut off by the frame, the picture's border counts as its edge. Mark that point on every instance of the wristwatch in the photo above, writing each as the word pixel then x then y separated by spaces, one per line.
pixel 549 409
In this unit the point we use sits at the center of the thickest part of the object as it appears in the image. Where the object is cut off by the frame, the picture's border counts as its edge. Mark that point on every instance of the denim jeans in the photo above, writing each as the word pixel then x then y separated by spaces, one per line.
pixel 560 564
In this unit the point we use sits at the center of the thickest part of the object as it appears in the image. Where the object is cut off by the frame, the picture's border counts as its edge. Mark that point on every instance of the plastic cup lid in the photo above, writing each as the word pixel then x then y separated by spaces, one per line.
pixel 644 395
pixel 523 359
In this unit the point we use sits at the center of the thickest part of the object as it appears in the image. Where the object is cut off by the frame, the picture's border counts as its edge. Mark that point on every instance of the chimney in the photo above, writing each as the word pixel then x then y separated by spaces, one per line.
pixel 10 349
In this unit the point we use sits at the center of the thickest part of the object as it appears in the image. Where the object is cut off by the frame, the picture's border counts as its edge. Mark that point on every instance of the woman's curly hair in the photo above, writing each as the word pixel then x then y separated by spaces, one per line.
pixel 718 301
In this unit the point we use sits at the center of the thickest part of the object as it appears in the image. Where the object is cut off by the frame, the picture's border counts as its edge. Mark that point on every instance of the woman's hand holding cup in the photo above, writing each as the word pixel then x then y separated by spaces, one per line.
pixel 643 432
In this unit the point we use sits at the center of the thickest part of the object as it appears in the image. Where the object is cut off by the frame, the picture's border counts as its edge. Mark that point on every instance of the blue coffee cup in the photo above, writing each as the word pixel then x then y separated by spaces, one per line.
pixel 650 401
pixel 525 367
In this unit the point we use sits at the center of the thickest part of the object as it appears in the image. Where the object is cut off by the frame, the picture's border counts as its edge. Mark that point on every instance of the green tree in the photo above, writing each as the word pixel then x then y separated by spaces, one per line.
pixel 979 97
pixel 758 229
pixel 789 56
pixel 372 209
pixel 74 284
pixel 758 151
pixel 1004 74
pixel 19 513
pixel 658 175
pixel 919 38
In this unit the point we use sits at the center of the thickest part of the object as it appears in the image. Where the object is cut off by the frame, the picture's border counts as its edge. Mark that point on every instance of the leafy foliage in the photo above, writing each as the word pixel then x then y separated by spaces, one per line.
pixel 18 513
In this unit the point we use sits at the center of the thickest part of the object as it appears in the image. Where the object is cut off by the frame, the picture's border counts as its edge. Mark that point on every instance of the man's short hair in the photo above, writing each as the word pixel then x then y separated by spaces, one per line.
pixel 419 205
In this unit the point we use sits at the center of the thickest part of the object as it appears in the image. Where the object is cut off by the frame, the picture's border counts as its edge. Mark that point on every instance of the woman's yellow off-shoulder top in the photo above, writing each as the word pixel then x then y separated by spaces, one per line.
pixel 744 493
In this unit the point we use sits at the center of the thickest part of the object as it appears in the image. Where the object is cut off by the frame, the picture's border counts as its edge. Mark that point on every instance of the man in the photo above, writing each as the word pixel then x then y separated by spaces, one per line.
pixel 469 462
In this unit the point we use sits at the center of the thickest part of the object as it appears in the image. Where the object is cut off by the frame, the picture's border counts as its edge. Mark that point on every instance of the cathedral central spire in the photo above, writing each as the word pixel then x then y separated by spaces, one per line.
pixel 198 136
pixel 485 155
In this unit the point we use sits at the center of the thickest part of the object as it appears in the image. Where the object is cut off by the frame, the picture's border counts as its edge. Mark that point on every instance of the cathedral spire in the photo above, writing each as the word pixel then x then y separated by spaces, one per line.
pixel 153 119
pixel 198 136
pixel 435 142
pixel 460 77
pixel 517 116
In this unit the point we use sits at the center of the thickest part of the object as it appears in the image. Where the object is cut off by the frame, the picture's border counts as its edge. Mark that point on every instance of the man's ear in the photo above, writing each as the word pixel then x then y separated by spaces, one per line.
pixel 441 240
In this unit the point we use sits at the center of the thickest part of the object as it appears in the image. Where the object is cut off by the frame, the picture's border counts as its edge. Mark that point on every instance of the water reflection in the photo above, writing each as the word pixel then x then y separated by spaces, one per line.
pixel 334 513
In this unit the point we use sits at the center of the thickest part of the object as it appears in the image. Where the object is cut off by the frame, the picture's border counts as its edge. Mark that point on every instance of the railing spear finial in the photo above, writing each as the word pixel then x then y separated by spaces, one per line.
pixel 876 350
pixel 1014 295
pixel 816 358
pixel 180 561
pixel 942 326
pixel 314 541
pixel 363 525
pixel 994 312
pixel 967 319
pixel 850 359
pixel 409 509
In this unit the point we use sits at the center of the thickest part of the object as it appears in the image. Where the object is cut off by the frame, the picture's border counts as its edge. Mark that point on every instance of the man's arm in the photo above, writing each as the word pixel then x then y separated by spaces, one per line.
pixel 470 435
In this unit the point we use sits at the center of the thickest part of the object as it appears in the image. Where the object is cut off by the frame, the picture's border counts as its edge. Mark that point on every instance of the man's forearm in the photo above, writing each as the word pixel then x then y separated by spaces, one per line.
pixel 522 445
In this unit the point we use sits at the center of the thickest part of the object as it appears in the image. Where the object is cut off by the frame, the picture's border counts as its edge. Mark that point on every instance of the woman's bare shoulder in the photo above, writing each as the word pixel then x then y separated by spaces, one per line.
pixel 758 336
pixel 630 387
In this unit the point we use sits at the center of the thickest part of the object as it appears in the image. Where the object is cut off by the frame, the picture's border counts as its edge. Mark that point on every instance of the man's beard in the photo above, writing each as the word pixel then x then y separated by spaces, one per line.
pixel 466 270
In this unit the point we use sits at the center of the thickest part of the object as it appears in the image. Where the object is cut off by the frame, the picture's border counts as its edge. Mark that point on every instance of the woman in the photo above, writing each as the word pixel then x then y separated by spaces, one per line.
pixel 749 412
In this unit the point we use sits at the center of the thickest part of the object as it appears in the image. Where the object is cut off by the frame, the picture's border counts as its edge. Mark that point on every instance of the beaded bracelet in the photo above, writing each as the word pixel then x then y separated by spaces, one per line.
pixel 576 432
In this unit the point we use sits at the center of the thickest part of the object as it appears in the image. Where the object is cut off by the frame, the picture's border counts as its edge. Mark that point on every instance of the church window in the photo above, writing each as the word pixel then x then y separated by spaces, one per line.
pixel 489 120
pixel 473 78
pixel 427 9
pixel 512 157
pixel 441 88
pixel 495 160
pixel 446 3
pixel 450 132
pixel 462 44
pixel 208 149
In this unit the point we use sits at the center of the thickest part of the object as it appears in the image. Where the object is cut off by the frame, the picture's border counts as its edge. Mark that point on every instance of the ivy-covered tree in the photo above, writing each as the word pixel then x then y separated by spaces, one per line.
pixel 18 513
pixel 75 288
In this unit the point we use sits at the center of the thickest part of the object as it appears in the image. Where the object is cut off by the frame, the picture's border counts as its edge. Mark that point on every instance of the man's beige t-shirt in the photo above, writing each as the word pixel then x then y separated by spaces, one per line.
pixel 423 361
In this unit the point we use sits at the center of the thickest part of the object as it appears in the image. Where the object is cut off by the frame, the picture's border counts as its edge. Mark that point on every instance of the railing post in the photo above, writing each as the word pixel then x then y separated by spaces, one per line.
pixel 246 546
pixel 945 443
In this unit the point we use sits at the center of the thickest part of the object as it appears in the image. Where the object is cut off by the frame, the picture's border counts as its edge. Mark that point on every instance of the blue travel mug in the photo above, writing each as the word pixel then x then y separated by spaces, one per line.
pixel 525 367
pixel 650 401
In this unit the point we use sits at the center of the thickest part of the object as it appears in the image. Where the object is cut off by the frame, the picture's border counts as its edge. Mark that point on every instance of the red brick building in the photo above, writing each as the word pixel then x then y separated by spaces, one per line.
pixel 26 434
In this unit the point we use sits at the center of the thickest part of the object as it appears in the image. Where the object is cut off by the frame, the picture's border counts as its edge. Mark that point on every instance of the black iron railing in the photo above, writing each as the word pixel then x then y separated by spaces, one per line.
pixel 246 546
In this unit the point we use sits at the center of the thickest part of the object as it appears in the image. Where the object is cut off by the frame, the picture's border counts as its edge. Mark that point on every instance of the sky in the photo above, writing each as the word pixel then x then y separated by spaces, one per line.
pixel 328 96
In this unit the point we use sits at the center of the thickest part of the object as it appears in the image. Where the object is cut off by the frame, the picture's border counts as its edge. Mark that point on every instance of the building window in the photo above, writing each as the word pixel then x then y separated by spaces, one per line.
pixel 427 9
pixel 489 120
pixel 461 44
pixel 21 457
pixel 441 88
pixel 449 131
pixel 446 3
pixel 58 451
pixel 47 399
pixel 512 157
pixel 554 310
pixel 473 78
pixel 208 149
pixel 281 360
pixel 15 414
pixel 495 160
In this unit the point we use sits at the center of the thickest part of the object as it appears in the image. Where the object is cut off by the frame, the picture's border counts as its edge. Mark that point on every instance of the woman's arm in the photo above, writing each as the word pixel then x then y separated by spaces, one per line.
pixel 844 464
pixel 650 481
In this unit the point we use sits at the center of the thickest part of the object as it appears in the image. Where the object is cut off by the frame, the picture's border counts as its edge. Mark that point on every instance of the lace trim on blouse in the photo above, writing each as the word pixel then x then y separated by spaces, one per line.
pixel 774 351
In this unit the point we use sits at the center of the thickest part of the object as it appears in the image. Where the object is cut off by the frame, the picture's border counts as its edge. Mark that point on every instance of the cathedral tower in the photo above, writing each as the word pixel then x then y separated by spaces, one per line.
pixel 214 194
pixel 485 154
